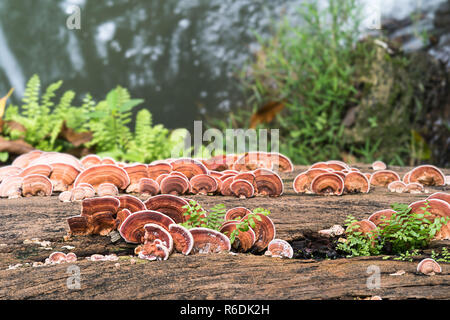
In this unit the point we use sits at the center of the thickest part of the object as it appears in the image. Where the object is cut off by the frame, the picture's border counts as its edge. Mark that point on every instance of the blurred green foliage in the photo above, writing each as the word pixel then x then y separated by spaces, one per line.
pixel 42 121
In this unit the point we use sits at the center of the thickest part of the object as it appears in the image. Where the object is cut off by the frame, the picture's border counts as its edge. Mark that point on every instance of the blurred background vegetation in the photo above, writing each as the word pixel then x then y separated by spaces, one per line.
pixel 309 68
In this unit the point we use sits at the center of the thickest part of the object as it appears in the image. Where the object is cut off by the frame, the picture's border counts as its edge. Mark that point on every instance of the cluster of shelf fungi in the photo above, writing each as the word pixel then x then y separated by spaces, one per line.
pixel 154 225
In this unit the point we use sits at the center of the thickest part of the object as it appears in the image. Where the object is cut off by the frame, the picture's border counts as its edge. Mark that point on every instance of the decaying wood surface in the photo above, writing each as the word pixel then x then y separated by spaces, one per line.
pixel 220 276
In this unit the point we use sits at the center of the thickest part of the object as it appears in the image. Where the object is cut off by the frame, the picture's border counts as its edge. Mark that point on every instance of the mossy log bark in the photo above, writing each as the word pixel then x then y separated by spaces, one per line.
pixel 220 276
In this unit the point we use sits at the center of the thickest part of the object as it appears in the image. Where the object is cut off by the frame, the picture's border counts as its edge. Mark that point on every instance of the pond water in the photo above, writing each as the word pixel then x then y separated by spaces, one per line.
pixel 182 56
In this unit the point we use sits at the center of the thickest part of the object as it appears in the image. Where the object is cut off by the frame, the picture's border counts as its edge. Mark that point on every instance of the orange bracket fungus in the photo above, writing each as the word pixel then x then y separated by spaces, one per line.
pixel 107 189
pixel 236 213
pixel 65 196
pixel 225 189
pixel 121 216
pixel 154 170
pixel 382 178
pixel 132 229
pixel 203 184
pixel 427 175
pixel 78 193
pixel 9 171
pixel 242 189
pixel 182 238
pixel 397 186
pixel 25 159
pixel 302 183
pixel 278 248
pixel 440 195
pixel 328 184
pixel 152 251
pixel 209 241
pixel 105 173
pixel 189 167
pixel 135 173
pixel 428 267
pixel 11 187
pixel 148 186
pixel 170 205
pixel 36 185
pixel 91 160
pixel 414 187
pixel 174 185
pixel 437 209
pixel 62 176
pixel 154 232
pixel 356 182
pixel 378 217
pixel 97 217
pixel 379 165
pixel 131 203
pixel 248 176
pixel 281 162
pixel 42 169
pixel 268 183
pixel 264 231
pixel 244 240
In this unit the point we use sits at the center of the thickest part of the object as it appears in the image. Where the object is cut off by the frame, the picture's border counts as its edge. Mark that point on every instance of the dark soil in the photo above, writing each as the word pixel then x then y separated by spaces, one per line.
pixel 318 272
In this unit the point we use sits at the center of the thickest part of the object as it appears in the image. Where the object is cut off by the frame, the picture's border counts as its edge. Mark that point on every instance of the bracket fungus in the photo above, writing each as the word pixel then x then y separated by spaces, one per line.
pixel 189 167
pixel 252 161
pixel 242 189
pixel 427 175
pixel 152 251
pixel 209 241
pixel 244 241
pixel 302 182
pixel 248 176
pixel 356 182
pixel 148 186
pixel 135 172
pixel 154 170
pixel 154 232
pixel 203 184
pixel 102 204
pixel 42 169
pixel 280 162
pixel 428 267
pixel 174 184
pixel 25 159
pixel 268 183
pixel 132 229
pixel 121 216
pixel 264 231
pixel 379 165
pixel 414 187
pixel 37 185
pixel 378 217
pixel 97 175
pixel 382 178
pixel 278 248
pixel 78 193
pixel 11 187
pixel 217 163
pixel 182 238
pixel 107 189
pixel 328 184
pixel 62 176
pixel 91 160
pixel 397 186
pixel 236 213
pixel 170 205
pixel 225 188
pixel 440 195
pixel 9 171
pixel 65 196
pixel 437 209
